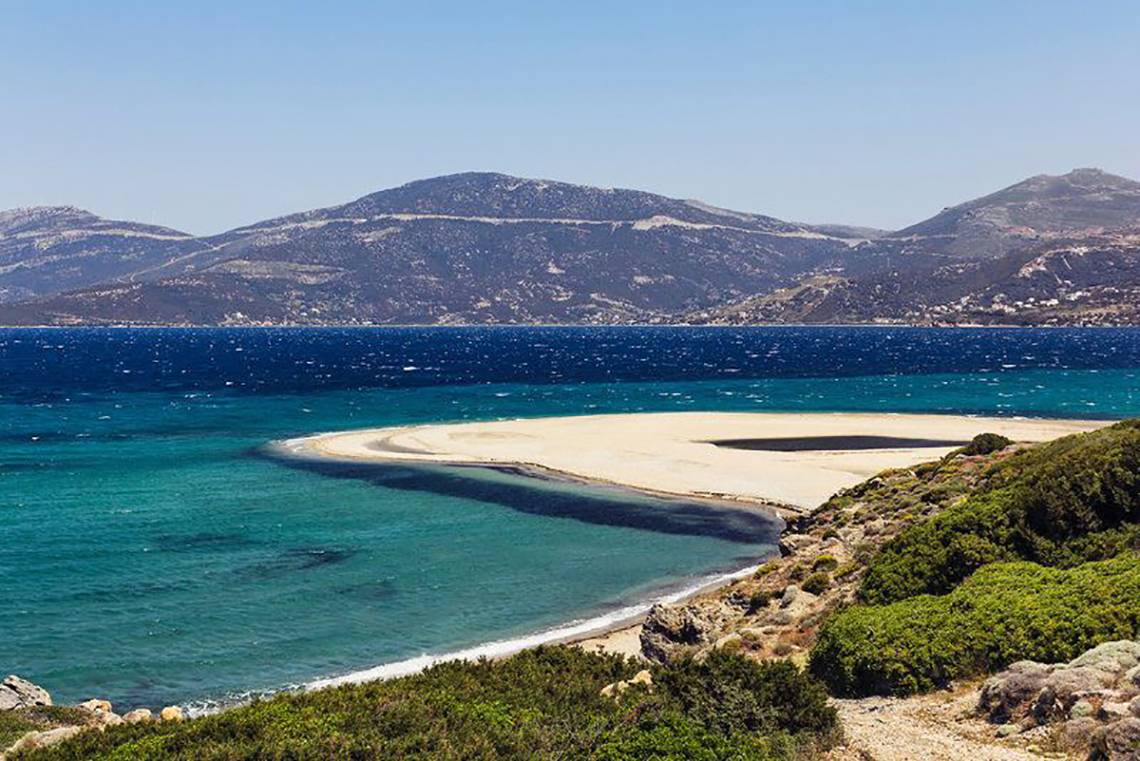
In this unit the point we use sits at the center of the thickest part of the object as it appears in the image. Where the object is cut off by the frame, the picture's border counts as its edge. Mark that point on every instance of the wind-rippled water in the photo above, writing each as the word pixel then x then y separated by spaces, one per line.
pixel 151 553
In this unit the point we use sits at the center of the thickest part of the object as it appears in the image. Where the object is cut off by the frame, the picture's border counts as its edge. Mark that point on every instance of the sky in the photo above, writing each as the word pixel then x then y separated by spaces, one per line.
pixel 204 115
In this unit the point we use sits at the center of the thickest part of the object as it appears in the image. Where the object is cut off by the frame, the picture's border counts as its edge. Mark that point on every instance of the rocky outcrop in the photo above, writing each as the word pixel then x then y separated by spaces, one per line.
pixel 673 629
pixel 20 693
pixel 1096 697
pixel 777 611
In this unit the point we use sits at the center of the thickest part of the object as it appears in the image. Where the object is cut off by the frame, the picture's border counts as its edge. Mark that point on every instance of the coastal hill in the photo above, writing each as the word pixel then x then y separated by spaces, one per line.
pixel 1047 251
pixel 48 249
pixel 485 248
pixel 1083 200
pixel 467 248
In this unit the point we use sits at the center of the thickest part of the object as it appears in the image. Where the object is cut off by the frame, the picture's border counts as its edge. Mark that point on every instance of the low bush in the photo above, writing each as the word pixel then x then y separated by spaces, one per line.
pixel 542 703
pixel 825 563
pixel 816 583
pixel 759 600
pixel 1060 504
pixel 983 444
pixel 1005 612
pixel 732 694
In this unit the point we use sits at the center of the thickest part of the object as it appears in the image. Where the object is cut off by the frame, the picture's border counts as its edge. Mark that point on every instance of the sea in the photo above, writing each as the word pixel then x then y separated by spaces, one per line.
pixel 155 550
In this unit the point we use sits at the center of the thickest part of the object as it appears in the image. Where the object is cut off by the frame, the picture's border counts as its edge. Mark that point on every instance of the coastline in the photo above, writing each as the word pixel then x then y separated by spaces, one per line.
pixel 619 631
pixel 613 632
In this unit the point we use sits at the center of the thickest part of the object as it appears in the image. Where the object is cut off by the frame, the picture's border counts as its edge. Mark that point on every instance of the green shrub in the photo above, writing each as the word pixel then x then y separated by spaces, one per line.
pixel 982 444
pixel 759 600
pixel 676 737
pixel 825 563
pixel 542 703
pixel 1070 501
pixel 732 694
pixel 766 569
pixel 1003 613
pixel 816 583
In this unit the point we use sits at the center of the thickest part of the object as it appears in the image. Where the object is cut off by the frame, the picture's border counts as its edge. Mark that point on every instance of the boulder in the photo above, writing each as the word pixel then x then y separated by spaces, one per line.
pixel 1077 734
pixel 1114 658
pixel 96 706
pixel 1119 741
pixel 1132 678
pixel 138 716
pixel 1134 706
pixel 1111 711
pixel 614 690
pixel 171 713
pixel 101 712
pixel 20 693
pixel 642 677
pixel 1004 696
pixel 1067 685
pixel 33 740
pixel 790 544
pixel 1082 709
pixel 673 629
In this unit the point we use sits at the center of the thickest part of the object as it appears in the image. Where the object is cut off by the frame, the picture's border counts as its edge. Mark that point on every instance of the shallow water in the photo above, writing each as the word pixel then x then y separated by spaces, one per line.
pixel 151 552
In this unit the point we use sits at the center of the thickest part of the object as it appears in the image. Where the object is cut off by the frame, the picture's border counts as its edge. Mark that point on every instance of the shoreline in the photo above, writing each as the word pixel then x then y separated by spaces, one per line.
pixel 617 631
pixel 611 631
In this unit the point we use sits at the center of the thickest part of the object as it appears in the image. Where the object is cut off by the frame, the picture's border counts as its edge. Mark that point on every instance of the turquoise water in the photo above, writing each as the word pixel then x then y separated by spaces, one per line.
pixel 153 553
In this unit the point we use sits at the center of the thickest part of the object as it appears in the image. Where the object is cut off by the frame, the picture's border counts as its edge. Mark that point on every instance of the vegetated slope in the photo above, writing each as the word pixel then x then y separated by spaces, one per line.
pixel 1072 507
pixel 49 249
pixel 471 248
pixel 543 703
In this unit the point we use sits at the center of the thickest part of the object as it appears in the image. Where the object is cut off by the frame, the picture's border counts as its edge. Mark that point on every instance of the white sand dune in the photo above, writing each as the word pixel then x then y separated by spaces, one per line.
pixel 671 452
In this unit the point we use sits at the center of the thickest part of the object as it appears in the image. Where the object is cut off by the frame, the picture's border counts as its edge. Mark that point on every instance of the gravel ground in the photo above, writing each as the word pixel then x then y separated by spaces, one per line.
pixel 937 727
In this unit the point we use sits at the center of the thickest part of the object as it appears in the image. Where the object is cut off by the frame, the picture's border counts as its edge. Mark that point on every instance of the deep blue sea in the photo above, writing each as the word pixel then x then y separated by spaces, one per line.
pixel 152 552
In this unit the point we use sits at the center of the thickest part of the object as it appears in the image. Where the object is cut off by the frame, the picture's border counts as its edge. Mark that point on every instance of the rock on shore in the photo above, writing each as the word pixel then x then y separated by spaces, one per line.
pixel 20 693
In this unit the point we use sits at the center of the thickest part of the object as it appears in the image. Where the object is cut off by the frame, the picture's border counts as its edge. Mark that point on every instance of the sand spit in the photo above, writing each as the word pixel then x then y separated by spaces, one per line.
pixel 790 461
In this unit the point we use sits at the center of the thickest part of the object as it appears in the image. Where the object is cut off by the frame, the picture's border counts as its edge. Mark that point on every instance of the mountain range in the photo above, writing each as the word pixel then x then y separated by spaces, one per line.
pixel 482 248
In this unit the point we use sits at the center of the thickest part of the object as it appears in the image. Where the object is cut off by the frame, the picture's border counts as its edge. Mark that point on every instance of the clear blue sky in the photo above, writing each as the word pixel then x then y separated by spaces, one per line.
pixel 203 116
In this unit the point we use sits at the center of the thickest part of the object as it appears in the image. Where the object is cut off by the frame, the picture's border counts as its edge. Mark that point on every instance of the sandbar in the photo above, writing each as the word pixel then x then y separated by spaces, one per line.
pixel 791 462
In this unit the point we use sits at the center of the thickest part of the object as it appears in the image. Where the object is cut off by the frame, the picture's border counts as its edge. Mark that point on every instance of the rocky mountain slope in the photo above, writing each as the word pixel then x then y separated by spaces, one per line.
pixel 49 249
pixel 1049 250
pixel 490 248
pixel 472 248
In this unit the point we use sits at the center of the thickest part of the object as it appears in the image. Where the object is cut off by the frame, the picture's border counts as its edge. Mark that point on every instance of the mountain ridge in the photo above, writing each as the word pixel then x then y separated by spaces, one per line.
pixel 485 247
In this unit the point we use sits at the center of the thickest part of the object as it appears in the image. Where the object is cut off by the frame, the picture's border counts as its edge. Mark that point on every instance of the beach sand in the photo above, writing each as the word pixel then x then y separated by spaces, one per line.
pixel 790 462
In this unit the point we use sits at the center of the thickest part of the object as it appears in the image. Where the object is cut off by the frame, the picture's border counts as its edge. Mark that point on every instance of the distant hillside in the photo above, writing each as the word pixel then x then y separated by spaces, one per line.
pixel 1084 200
pixel 49 249
pixel 489 248
pixel 476 248
pixel 1047 251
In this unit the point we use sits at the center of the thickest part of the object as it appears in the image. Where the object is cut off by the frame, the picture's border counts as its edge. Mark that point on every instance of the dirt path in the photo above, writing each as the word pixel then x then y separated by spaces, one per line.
pixel 937 727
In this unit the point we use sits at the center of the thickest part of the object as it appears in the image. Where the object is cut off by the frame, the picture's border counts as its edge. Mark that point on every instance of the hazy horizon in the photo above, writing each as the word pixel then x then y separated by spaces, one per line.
pixel 207 118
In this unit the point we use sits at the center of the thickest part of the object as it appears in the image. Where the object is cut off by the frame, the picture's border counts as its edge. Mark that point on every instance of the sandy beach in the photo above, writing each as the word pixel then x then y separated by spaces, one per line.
pixel 789 462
